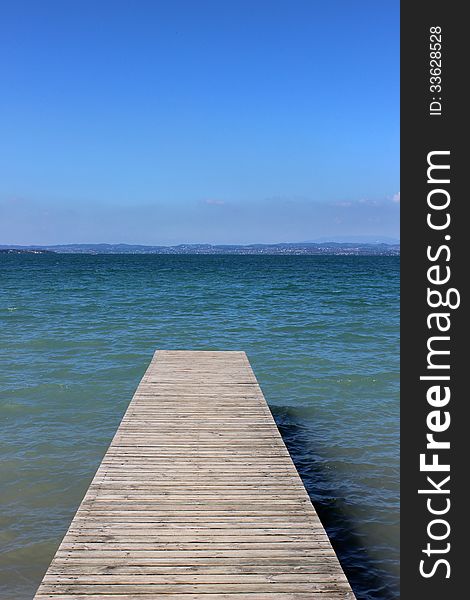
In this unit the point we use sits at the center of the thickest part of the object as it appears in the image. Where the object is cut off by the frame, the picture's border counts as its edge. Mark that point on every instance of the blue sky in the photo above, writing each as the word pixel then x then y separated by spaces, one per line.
pixel 161 122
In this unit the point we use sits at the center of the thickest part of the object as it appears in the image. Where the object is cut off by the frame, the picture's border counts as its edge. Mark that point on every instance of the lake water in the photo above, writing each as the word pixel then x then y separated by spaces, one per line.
pixel 321 332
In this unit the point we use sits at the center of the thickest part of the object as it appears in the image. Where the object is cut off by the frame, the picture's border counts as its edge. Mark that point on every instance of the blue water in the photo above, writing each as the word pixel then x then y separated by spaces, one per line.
pixel 321 332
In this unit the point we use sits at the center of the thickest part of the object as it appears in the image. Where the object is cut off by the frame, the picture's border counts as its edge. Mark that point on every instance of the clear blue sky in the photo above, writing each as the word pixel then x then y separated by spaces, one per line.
pixel 168 121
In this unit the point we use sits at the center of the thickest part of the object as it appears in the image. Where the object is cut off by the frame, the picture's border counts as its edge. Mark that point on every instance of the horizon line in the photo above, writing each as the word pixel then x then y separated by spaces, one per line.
pixel 390 242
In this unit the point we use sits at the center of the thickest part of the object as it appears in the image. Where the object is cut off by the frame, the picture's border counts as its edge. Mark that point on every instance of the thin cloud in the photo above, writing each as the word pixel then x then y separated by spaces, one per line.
pixel 369 202
pixel 396 198
pixel 214 202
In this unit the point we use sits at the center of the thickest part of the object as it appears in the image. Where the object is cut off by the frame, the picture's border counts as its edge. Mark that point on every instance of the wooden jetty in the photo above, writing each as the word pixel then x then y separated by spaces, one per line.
pixel 196 498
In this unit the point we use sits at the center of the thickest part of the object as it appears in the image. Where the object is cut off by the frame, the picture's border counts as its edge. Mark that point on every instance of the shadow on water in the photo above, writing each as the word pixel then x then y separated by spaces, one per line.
pixel 366 576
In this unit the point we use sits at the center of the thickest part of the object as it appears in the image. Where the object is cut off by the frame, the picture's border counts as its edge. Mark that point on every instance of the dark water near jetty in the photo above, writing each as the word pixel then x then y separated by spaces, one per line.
pixel 321 332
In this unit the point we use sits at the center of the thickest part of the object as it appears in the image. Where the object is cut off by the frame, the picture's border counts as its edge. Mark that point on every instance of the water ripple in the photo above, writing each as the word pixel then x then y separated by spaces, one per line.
pixel 322 336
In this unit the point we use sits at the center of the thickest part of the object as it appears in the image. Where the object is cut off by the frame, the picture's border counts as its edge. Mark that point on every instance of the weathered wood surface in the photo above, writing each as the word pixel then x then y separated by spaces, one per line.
pixel 196 498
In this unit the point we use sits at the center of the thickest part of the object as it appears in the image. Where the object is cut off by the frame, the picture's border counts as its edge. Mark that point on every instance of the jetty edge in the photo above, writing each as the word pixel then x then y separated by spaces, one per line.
pixel 196 498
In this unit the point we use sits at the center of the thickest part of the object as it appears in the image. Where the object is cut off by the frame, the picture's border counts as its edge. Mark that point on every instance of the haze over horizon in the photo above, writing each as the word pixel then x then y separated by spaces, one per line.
pixel 168 123
pixel 361 240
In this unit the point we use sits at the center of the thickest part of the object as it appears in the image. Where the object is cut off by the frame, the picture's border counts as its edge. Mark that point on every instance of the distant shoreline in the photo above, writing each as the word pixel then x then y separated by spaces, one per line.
pixel 288 249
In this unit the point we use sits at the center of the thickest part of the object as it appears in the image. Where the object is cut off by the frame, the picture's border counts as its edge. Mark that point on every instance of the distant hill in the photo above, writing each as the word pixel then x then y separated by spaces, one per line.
pixel 333 248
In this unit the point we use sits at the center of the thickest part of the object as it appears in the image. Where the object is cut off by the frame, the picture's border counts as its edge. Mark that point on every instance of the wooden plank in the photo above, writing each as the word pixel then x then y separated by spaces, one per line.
pixel 196 498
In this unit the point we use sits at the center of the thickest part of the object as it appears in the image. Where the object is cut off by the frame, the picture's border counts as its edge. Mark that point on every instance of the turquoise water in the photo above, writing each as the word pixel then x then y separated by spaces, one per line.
pixel 321 332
